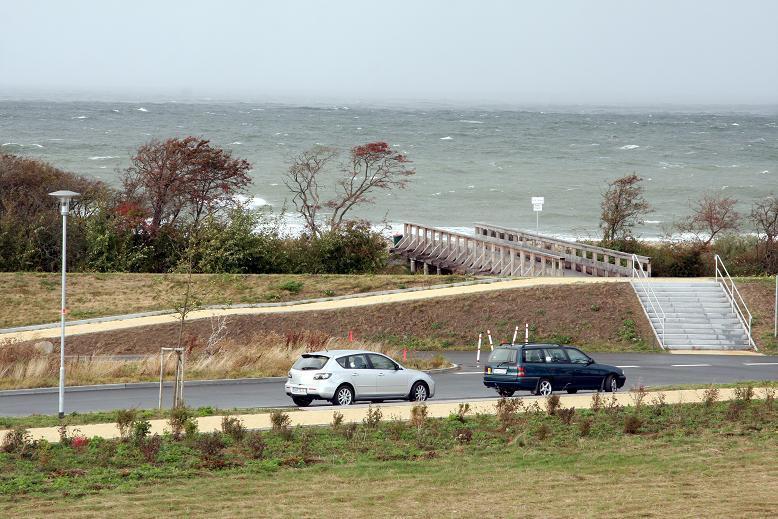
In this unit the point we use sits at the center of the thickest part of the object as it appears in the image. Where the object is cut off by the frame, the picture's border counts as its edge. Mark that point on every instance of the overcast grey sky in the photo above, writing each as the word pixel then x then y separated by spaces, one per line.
pixel 588 52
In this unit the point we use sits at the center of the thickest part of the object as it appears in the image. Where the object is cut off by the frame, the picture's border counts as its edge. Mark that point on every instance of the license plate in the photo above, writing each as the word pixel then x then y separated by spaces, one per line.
pixel 299 391
pixel 500 371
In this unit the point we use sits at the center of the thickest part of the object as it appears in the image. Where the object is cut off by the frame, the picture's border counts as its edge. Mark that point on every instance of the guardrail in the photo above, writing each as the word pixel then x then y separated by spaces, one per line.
pixel 735 299
pixel 580 257
pixel 640 276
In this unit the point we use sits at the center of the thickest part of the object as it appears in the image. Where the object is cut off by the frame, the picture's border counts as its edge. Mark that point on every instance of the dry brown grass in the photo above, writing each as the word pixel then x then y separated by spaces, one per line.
pixel 712 476
pixel 33 298
pixel 263 355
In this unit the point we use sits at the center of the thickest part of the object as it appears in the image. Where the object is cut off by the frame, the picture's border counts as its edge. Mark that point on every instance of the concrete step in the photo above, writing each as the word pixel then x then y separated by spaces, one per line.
pixel 733 347
pixel 697 315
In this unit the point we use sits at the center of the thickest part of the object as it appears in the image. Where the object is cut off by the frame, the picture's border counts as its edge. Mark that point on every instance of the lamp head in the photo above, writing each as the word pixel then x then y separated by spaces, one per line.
pixel 64 197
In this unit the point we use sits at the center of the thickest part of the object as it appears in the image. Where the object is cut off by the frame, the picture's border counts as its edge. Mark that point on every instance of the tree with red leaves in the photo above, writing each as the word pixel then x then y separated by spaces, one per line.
pixel 183 179
pixel 372 166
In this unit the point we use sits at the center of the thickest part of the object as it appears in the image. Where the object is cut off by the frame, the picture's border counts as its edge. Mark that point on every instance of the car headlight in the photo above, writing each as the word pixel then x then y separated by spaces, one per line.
pixel 322 376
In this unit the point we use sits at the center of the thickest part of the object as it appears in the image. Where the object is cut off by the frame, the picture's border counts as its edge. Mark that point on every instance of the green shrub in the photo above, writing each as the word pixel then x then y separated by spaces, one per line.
pixel 234 428
pixel 292 286
pixel 181 421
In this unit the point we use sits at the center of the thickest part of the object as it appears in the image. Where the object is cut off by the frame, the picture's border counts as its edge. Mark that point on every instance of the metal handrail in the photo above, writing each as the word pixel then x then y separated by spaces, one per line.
pixel 640 275
pixel 723 277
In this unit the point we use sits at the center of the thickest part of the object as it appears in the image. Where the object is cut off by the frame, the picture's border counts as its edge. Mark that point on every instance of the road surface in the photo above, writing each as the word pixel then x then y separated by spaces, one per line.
pixel 641 368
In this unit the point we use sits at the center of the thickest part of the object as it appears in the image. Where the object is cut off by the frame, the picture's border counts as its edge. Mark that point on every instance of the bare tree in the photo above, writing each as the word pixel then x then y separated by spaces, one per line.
pixel 623 207
pixel 302 179
pixel 764 214
pixel 711 215
pixel 370 167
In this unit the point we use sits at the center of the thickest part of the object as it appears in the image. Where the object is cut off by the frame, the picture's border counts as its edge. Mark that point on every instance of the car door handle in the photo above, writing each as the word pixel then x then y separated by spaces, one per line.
pixel 381 374
pixel 355 374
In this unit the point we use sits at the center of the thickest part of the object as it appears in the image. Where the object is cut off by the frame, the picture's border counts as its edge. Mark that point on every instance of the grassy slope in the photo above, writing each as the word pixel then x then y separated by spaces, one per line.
pixel 688 461
pixel 596 316
pixel 759 294
pixel 33 297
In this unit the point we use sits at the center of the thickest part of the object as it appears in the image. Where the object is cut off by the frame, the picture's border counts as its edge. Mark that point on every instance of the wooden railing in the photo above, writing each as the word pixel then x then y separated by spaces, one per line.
pixel 476 254
pixel 587 259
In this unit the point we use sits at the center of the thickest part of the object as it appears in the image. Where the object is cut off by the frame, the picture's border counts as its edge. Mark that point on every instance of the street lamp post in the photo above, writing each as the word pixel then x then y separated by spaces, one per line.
pixel 64 208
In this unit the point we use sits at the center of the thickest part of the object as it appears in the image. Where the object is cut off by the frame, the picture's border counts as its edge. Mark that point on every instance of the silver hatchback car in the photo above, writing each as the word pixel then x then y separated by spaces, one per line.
pixel 345 376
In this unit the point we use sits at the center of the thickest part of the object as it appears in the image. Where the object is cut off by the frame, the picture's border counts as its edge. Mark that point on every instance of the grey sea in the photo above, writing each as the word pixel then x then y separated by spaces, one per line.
pixel 472 164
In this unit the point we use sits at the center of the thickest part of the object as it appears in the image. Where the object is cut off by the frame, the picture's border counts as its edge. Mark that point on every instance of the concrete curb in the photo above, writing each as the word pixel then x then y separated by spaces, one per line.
pixel 189 383
pixel 153 313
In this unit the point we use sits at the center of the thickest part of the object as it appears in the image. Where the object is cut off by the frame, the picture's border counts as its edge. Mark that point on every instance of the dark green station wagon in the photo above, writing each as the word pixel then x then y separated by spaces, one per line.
pixel 545 368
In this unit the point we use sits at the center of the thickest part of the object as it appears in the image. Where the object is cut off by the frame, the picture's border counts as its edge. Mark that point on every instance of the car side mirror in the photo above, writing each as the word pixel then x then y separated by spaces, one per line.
pixel 590 361
pixel 397 367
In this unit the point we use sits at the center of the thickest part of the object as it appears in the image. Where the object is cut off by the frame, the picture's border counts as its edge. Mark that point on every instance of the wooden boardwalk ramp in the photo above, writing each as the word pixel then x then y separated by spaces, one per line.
pixel 510 252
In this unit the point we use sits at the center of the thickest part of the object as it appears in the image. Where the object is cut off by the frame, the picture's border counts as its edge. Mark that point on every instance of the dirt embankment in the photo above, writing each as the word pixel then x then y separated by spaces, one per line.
pixel 599 317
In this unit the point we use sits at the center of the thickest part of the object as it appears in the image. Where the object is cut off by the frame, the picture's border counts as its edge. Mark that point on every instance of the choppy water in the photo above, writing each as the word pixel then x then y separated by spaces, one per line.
pixel 472 165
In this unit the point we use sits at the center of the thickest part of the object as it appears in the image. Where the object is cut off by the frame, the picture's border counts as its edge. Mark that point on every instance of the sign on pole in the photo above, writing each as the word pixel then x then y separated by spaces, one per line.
pixel 537 206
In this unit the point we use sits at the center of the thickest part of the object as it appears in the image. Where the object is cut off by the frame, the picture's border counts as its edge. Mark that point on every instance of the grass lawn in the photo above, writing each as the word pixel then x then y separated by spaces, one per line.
pixel 687 460
pixel 33 297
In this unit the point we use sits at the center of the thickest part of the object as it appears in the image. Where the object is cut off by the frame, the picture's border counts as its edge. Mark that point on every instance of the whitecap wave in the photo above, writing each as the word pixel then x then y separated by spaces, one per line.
pixel 447 138
pixel 12 144
pixel 141 109
pixel 115 110
pixel 102 157
pixel 235 143
pixel 79 117
pixel 629 147
pixel 468 121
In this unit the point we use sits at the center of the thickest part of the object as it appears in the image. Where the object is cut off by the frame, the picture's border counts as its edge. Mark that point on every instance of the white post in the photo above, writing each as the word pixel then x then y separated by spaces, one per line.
pixel 526 333
pixel 515 333
pixel 489 335
pixel 161 373
pixel 478 354
pixel 64 210
pixel 537 222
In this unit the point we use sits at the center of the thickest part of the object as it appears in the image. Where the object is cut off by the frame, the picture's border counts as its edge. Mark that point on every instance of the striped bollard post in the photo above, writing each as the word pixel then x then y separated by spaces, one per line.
pixel 478 354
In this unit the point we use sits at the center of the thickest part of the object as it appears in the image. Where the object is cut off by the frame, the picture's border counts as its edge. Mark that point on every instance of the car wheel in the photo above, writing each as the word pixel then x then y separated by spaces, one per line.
pixel 344 395
pixel 505 392
pixel 572 391
pixel 419 392
pixel 302 401
pixel 544 387
pixel 611 384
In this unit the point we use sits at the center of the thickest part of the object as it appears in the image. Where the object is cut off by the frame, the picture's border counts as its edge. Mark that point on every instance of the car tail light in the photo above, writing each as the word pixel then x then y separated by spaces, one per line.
pixel 520 372
pixel 322 376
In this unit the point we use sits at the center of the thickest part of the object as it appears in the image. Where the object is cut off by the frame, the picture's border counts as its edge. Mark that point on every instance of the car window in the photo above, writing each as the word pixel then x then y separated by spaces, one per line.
pixel 311 362
pixel 353 362
pixel 503 355
pixel 556 355
pixel 577 357
pixel 381 362
pixel 534 355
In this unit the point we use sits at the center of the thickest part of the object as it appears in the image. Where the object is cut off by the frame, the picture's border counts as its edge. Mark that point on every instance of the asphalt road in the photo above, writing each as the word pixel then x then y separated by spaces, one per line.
pixel 641 368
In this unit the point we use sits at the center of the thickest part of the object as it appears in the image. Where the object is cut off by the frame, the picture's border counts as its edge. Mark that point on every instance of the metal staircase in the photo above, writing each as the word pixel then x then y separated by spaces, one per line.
pixel 696 314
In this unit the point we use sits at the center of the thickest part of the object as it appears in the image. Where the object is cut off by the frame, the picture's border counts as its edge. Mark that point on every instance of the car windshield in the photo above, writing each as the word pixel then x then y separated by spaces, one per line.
pixel 310 362
pixel 501 355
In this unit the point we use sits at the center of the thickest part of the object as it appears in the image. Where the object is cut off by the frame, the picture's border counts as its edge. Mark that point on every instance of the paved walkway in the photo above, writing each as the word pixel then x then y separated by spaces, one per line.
pixel 123 322
pixel 319 417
